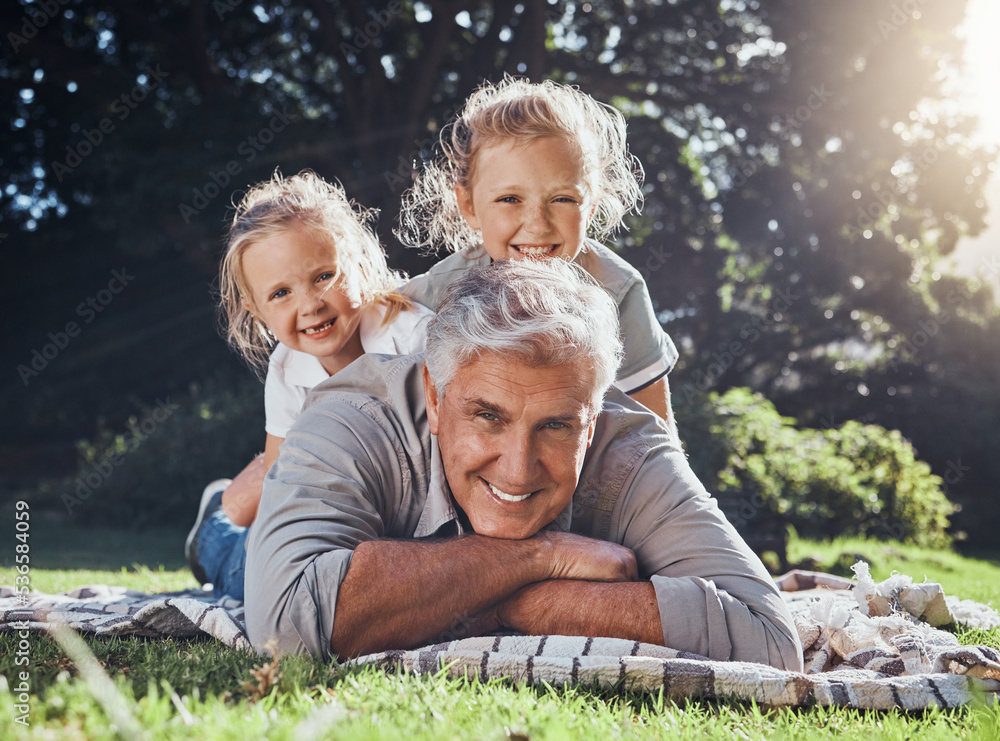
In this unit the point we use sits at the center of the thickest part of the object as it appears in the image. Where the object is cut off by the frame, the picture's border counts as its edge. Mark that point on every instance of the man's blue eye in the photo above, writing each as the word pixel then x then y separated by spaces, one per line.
pixel 488 416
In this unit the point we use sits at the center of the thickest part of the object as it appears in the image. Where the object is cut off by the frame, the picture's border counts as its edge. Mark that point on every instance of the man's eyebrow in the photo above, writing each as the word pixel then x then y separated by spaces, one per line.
pixel 485 405
pixel 564 418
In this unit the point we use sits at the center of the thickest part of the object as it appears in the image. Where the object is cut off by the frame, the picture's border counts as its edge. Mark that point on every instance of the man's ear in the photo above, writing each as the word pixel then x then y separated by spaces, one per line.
pixel 466 206
pixel 593 422
pixel 431 400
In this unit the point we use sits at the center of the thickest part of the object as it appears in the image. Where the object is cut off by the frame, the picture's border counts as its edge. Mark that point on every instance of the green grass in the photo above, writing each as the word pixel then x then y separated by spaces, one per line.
pixel 200 690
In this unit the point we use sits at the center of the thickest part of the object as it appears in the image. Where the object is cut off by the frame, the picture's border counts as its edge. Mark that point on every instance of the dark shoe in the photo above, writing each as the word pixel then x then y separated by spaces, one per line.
pixel 211 500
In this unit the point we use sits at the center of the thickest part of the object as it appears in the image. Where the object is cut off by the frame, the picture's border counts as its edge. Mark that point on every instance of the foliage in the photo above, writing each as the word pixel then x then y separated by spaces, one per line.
pixel 857 479
pixel 153 472
pixel 804 184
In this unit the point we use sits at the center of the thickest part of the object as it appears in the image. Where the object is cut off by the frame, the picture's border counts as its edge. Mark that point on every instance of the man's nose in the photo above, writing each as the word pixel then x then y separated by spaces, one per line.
pixel 518 460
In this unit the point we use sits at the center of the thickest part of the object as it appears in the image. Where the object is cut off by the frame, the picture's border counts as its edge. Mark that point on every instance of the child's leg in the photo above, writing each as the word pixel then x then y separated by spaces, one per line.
pixel 241 498
pixel 222 554
pixel 215 547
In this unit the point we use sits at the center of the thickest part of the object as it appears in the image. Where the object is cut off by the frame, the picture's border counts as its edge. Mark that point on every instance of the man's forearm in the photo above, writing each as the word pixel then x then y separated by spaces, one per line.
pixel 585 608
pixel 399 594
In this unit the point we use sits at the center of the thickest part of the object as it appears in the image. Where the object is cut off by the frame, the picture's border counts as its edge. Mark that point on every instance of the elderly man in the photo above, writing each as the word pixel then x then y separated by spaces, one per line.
pixel 499 485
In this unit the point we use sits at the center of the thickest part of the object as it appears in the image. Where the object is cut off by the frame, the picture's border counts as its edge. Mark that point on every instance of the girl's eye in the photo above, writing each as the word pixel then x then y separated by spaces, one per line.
pixel 325 276
pixel 566 199
pixel 280 293
pixel 507 199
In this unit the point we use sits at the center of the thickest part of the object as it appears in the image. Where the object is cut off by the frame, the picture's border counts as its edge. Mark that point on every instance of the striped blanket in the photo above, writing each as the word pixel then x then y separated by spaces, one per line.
pixel 866 646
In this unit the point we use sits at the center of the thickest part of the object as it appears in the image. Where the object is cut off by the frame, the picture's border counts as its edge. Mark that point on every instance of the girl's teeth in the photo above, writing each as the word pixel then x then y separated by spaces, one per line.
pixel 534 251
pixel 508 497
pixel 320 328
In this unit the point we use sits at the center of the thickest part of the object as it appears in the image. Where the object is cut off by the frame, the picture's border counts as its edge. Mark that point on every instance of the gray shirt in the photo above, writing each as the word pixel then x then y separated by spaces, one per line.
pixel 360 464
pixel 649 352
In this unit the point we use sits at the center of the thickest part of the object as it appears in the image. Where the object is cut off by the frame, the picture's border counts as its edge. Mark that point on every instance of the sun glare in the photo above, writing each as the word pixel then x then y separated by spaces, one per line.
pixel 980 92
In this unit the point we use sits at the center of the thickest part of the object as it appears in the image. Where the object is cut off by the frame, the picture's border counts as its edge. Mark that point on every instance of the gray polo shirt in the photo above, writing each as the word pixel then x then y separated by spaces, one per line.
pixel 361 464
pixel 649 352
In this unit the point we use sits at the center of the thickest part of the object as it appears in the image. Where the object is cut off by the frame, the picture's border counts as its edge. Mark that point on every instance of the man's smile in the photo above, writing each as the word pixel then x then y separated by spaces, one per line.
pixel 500 494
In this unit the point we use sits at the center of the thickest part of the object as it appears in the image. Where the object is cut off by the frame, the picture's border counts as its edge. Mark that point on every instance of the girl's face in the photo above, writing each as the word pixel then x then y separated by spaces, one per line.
pixel 529 199
pixel 290 277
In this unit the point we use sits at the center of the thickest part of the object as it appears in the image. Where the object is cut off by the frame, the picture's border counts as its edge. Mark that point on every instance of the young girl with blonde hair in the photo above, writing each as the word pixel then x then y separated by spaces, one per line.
pixel 304 291
pixel 528 171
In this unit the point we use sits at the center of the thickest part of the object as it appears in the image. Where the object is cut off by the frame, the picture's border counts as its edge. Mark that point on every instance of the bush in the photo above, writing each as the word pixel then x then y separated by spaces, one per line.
pixel 855 480
pixel 154 471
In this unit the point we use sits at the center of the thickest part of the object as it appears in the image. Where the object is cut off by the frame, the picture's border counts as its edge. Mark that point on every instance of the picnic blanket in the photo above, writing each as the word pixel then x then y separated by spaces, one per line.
pixel 867 646
pixel 108 611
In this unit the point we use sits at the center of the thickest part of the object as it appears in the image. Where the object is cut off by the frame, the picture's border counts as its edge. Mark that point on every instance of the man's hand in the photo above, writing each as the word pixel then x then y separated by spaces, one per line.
pixel 579 557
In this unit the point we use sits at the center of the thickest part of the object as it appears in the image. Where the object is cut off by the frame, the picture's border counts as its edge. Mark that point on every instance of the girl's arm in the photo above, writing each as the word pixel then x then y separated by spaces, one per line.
pixel 656 398
pixel 240 499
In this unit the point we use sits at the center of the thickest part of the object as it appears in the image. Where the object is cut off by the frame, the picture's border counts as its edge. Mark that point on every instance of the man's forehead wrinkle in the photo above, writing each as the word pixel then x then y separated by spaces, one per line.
pixel 483 373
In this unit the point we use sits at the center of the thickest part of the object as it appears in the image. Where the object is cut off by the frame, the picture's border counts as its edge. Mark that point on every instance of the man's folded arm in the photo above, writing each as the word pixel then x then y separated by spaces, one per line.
pixel 453 587
pixel 585 608
pixel 714 596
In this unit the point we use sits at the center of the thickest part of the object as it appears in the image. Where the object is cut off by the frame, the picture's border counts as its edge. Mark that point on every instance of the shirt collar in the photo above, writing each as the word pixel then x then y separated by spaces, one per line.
pixel 438 507
pixel 302 369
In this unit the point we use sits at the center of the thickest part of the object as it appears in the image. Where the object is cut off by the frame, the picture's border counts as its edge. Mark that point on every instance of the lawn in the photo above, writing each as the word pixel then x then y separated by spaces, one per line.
pixel 199 690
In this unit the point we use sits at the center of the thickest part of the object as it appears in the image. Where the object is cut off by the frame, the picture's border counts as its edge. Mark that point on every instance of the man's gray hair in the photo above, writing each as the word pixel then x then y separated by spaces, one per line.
pixel 540 312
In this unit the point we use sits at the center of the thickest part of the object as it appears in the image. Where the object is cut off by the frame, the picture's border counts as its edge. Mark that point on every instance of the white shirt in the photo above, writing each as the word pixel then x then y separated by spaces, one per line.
pixel 291 374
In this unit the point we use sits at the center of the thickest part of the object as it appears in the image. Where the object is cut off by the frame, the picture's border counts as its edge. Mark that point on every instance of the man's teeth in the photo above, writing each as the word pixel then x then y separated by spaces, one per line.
pixel 320 328
pixel 509 497
pixel 535 251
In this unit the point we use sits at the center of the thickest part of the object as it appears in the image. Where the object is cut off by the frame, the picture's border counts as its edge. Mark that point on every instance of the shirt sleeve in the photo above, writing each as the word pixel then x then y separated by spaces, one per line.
pixel 715 597
pixel 423 289
pixel 650 354
pixel 282 402
pixel 326 494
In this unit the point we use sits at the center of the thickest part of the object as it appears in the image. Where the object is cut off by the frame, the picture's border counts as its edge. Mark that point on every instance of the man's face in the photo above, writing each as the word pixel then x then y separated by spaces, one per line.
pixel 513 439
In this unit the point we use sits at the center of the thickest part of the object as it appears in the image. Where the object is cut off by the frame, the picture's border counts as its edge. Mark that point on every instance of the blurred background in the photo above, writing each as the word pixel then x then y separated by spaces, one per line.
pixel 818 177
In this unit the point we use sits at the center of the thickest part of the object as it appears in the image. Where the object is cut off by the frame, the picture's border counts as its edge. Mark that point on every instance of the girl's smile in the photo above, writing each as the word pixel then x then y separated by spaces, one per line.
pixel 295 292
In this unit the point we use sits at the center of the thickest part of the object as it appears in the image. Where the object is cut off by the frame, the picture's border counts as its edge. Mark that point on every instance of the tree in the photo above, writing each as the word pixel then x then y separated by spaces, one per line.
pixel 802 182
